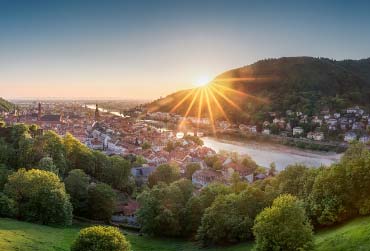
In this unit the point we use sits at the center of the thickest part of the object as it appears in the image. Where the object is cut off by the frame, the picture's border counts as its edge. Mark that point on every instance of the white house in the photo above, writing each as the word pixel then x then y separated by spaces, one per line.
pixel 350 136
pixel 297 130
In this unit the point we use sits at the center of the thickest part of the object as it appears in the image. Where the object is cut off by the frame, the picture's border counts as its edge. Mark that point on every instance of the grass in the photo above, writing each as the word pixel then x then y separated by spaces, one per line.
pixel 23 236
pixel 352 236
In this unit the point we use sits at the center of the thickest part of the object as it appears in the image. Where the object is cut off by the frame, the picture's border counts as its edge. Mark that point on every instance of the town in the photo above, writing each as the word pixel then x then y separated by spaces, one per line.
pixel 160 137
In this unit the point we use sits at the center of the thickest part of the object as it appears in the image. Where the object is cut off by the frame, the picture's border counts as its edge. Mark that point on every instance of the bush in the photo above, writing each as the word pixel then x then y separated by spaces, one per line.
pixel 40 197
pixel 283 227
pixel 100 238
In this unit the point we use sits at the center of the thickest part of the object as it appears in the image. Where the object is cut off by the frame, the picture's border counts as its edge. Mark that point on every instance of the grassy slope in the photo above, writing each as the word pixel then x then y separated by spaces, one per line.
pixel 347 237
pixel 22 236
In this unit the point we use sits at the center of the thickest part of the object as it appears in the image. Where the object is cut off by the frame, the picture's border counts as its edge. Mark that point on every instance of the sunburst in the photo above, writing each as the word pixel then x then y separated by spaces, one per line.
pixel 204 101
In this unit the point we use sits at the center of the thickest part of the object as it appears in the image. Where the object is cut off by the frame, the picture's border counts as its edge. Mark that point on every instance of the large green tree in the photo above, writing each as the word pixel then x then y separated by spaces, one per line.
pixel 39 196
pixel 283 226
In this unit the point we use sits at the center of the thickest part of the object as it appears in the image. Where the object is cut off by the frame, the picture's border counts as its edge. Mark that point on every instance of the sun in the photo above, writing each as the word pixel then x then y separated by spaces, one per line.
pixel 202 81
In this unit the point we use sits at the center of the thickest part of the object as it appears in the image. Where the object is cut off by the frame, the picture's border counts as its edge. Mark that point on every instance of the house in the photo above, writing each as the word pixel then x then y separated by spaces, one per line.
pixel 315 136
pixel 350 136
pixel 364 139
pixel 266 131
pixel 316 120
pixel 203 177
pixel 355 110
pixel 297 131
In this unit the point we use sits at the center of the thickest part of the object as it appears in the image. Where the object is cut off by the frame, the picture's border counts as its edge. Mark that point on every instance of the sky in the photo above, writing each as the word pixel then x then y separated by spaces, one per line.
pixel 147 49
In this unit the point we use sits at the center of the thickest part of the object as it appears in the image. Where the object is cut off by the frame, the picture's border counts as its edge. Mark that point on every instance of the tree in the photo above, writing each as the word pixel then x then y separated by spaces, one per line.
pixel 51 145
pixel 77 183
pixel 100 238
pixel 78 155
pixel 4 173
pixel 39 196
pixel 223 222
pixel 117 173
pixel 190 169
pixel 230 217
pixel 164 173
pixel 47 164
pixel 162 208
pixel 7 206
pixel 101 201
pixel 146 145
pixel 249 164
pixel 283 226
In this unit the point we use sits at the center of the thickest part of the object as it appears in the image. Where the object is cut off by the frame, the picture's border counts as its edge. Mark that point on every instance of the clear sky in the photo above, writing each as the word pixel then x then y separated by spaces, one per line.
pixel 146 49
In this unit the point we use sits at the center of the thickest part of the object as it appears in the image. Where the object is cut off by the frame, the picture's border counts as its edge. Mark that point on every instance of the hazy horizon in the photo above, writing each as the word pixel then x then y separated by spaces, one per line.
pixel 147 49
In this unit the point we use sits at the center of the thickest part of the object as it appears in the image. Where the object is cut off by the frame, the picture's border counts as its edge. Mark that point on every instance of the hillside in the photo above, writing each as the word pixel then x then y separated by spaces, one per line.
pixel 294 83
pixel 16 235
pixel 5 105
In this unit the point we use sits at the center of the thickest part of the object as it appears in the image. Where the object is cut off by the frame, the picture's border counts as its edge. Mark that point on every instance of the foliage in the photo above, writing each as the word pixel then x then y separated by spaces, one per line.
pixel 283 226
pixel 47 164
pixel 230 217
pixel 162 208
pixel 117 172
pixel 99 238
pixel 101 201
pixel 164 173
pixel 77 183
pixel 39 197
pixel 7 206
pixel 190 169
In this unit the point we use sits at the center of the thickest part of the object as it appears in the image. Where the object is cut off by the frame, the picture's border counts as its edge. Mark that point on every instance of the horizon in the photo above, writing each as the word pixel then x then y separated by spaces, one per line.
pixel 145 50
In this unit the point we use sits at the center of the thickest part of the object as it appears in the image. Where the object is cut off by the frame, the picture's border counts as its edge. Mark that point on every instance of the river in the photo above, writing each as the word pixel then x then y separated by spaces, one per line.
pixel 281 155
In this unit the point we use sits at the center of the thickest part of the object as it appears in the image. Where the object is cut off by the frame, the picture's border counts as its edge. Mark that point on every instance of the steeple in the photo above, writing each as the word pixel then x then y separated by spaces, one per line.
pixel 97 115
pixel 39 112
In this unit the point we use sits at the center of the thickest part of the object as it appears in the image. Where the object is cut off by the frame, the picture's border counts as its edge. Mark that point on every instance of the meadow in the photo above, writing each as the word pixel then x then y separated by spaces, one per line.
pixel 23 236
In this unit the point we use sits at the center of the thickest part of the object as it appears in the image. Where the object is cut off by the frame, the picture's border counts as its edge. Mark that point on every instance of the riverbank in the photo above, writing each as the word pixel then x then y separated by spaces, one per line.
pixel 265 153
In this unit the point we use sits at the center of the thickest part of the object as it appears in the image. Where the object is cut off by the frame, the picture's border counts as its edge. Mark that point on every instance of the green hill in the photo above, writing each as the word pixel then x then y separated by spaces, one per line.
pixel 5 105
pixel 293 83
pixel 16 235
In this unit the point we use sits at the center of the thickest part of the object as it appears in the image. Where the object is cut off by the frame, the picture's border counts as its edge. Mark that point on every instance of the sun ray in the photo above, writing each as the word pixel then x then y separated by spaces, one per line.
pixel 219 105
pixel 228 100
pixel 189 108
pixel 240 93
pixel 210 112
pixel 182 100
pixel 200 104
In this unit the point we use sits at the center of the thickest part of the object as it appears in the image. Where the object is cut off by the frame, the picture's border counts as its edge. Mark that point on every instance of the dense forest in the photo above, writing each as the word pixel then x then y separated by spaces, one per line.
pixel 302 84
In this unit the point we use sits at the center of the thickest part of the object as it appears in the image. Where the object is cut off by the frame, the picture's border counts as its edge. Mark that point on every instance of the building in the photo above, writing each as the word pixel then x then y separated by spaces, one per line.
pixel 297 131
pixel 350 136
pixel 318 136
pixel 203 177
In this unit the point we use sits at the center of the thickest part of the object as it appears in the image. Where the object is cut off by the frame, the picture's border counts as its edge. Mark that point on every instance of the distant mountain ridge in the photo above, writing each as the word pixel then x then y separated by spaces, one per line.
pixel 303 84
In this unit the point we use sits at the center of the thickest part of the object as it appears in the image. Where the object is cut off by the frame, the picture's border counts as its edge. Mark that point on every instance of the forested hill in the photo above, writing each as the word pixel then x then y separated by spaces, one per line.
pixel 303 84
pixel 5 105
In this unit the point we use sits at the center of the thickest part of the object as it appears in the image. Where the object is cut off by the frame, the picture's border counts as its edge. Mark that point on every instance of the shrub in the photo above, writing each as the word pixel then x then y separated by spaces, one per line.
pixel 100 238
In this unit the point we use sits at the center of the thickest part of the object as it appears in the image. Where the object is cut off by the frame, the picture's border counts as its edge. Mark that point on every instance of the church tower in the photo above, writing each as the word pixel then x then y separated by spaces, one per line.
pixel 39 112
pixel 97 115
